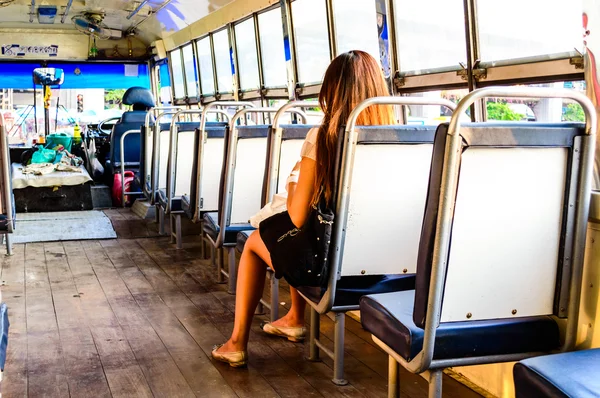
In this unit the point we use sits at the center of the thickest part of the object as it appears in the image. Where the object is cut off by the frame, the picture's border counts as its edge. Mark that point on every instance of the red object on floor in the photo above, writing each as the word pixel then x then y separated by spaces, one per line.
pixel 117 192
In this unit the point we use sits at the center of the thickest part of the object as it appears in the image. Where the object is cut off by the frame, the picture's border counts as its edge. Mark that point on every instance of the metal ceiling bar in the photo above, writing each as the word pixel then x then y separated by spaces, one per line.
pixel 137 9
pixel 153 12
pixel 66 13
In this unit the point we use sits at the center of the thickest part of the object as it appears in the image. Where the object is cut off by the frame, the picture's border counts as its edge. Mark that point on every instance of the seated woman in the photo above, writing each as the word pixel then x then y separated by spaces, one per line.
pixel 351 78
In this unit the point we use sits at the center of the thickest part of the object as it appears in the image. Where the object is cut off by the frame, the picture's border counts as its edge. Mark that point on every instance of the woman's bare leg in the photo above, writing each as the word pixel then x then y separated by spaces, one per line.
pixel 250 286
pixel 295 316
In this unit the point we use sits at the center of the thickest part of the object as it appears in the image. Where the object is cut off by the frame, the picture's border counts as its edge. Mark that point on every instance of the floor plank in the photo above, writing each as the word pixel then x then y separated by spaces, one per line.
pixel 193 363
pixel 135 317
pixel 82 362
pixel 124 375
pixel 159 369
pixel 45 363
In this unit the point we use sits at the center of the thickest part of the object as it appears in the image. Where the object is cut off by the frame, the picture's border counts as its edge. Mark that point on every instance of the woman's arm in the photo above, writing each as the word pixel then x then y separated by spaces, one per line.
pixel 301 194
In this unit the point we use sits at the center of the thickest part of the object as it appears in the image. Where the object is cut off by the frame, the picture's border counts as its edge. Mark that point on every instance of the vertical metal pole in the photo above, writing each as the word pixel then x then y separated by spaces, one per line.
pixel 161 220
pixel 261 72
pixel 9 249
pixel 393 56
pixel 235 75
pixel 435 384
pixel 232 266
pixel 274 298
pixel 220 265
pixel 289 47
pixel 591 23
pixel 393 378
pixel 331 27
pixel 178 236
pixel 315 326
pixel 338 350
pixel 472 36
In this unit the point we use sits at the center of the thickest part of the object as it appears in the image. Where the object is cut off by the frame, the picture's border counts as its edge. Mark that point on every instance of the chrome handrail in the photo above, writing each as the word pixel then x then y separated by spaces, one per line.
pixel 122 159
pixel 148 170
pixel 345 182
pixel 449 185
pixel 6 186
pixel 156 154
pixel 231 161
pixel 210 108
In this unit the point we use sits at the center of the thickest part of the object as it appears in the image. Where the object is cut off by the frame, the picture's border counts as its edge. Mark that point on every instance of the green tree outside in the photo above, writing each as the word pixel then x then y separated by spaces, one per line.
pixel 113 98
pixel 573 113
pixel 501 111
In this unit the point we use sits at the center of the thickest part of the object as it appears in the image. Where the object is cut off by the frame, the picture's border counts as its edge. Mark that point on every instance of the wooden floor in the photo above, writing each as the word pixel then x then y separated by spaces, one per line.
pixel 134 317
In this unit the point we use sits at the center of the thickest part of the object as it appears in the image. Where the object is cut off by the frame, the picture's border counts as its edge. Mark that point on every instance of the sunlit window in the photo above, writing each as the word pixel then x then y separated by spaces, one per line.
pixel 512 29
pixel 312 39
pixel 191 76
pixel 178 89
pixel 432 115
pixel 247 60
pixel 549 110
pixel 206 67
pixel 223 61
pixel 271 45
pixel 430 34
pixel 356 26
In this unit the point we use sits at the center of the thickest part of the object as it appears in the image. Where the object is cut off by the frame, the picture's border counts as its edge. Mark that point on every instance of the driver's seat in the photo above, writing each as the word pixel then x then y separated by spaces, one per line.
pixel 141 100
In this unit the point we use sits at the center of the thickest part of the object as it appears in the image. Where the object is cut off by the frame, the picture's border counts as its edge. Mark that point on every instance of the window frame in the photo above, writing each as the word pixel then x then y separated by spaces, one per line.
pixel 253 93
pixel 270 92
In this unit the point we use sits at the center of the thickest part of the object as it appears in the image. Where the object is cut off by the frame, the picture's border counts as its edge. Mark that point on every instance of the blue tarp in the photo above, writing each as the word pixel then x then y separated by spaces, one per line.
pixel 89 75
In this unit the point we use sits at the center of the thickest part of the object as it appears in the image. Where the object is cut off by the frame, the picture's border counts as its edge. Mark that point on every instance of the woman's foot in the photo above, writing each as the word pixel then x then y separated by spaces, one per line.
pixel 289 327
pixel 229 354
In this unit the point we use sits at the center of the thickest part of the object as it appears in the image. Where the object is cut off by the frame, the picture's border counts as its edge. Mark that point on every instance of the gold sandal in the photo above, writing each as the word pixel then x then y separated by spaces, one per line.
pixel 294 334
pixel 235 359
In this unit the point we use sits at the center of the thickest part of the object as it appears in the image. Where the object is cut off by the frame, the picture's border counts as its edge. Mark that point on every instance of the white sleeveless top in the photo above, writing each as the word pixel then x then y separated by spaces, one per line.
pixel 279 203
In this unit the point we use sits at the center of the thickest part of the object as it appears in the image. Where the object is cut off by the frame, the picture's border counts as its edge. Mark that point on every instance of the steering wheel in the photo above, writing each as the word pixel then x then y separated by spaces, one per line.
pixel 103 131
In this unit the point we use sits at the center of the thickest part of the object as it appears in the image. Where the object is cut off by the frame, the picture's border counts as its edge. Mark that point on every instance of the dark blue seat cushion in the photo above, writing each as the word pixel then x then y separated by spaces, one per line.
pixel 4 222
pixel 389 317
pixel 138 96
pixel 572 374
pixel 131 120
pixel 176 204
pixel 242 237
pixel 350 289
pixel 211 228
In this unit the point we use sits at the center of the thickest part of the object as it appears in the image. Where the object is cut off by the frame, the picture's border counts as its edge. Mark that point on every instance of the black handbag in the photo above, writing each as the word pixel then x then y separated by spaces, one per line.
pixel 300 255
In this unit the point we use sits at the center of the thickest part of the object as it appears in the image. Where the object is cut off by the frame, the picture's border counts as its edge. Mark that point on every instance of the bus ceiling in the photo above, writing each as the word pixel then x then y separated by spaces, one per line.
pixel 116 29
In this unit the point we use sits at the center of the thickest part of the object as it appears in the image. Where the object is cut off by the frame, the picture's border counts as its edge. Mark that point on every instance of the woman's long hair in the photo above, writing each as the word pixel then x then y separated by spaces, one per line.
pixel 351 78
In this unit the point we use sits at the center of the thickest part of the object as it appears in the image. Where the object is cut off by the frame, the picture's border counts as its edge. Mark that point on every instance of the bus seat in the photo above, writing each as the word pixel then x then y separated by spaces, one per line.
pixel 505 275
pixel 187 182
pixel 292 139
pixel 146 148
pixel 571 374
pixel 386 203
pixel 141 100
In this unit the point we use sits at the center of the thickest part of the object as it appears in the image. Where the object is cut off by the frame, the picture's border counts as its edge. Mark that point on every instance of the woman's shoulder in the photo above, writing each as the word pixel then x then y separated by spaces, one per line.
pixel 311 136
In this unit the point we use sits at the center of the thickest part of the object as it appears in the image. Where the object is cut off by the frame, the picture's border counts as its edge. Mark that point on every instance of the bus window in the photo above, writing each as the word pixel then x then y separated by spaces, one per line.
pixel 548 110
pixel 312 39
pixel 189 64
pixel 223 61
pixel 432 115
pixel 177 68
pixel 245 43
pixel 207 78
pixel 430 34
pixel 356 26
pixel 271 45
pixel 537 27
